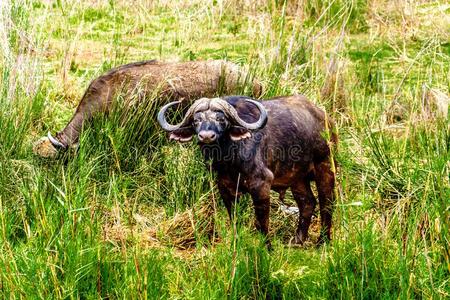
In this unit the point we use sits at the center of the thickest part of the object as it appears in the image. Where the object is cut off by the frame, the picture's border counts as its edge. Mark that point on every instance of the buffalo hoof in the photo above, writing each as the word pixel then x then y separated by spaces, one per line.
pixel 44 148
pixel 300 239
pixel 297 241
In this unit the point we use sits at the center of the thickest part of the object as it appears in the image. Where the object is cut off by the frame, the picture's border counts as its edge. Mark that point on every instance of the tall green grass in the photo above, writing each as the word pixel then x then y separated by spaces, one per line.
pixel 129 215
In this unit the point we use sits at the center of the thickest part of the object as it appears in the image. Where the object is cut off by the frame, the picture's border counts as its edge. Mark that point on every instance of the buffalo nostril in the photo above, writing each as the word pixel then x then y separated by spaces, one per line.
pixel 207 136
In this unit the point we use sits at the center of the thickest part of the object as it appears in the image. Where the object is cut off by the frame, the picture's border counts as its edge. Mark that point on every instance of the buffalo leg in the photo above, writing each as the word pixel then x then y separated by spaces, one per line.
pixel 306 204
pixel 282 195
pixel 229 197
pixel 324 177
pixel 260 192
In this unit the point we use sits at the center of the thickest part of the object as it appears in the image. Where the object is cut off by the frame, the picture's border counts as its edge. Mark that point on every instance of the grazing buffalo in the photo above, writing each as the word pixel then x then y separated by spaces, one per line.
pixel 146 81
pixel 258 146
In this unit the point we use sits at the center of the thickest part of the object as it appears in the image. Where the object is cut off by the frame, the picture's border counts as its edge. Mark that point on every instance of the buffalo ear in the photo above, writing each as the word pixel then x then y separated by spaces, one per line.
pixel 238 133
pixel 182 135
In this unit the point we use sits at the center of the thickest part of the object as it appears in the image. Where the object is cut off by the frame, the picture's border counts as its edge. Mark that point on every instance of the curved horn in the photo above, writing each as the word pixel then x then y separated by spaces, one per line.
pixel 232 112
pixel 169 127
pixel 162 118
pixel 55 142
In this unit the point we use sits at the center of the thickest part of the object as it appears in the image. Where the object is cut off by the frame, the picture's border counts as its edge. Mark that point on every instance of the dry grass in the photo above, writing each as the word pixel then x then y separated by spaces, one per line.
pixel 157 230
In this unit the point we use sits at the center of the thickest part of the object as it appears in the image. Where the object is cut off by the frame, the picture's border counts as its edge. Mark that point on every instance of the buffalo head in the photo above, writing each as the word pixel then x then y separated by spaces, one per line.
pixel 211 119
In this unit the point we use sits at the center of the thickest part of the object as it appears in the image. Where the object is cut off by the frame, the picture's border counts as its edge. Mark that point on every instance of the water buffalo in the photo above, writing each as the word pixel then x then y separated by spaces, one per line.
pixel 149 80
pixel 258 146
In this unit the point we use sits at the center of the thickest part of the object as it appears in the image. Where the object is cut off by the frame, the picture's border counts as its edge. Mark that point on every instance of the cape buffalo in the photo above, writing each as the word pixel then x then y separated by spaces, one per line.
pixel 258 146
pixel 182 81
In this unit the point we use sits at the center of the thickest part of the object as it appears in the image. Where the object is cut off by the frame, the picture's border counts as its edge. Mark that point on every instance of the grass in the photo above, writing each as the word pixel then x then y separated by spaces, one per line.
pixel 131 216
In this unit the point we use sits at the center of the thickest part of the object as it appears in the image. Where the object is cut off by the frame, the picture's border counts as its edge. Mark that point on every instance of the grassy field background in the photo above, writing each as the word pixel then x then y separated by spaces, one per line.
pixel 130 216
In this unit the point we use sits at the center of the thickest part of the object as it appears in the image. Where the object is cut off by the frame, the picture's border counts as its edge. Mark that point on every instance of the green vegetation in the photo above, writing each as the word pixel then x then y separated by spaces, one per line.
pixel 131 216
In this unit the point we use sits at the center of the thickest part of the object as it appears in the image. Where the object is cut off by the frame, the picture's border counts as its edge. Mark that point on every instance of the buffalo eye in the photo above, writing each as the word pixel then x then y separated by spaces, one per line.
pixel 197 121
pixel 220 118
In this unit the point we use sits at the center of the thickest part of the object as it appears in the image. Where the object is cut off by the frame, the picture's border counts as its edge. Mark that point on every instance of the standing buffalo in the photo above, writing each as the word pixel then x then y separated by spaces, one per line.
pixel 255 147
pixel 148 80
